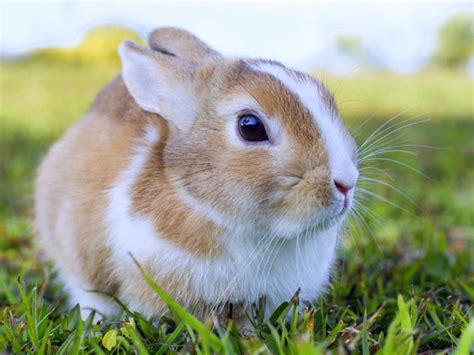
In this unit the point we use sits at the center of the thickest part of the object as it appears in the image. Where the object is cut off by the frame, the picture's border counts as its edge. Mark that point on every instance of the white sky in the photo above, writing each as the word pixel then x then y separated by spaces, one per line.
pixel 401 35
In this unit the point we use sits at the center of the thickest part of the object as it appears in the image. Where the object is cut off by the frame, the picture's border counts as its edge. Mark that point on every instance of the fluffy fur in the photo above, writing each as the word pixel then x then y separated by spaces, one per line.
pixel 157 169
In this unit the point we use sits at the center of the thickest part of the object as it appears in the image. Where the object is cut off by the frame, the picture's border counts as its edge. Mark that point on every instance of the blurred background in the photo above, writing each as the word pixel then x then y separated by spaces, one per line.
pixel 413 230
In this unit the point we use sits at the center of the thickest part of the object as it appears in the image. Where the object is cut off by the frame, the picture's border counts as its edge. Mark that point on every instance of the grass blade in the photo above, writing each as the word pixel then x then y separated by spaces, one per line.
pixel 206 335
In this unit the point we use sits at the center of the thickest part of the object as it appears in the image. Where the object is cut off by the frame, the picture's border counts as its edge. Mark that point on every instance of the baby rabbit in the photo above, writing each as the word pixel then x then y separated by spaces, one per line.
pixel 228 180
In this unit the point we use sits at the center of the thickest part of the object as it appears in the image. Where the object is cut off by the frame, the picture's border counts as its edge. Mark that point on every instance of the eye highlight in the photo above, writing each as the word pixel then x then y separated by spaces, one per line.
pixel 252 129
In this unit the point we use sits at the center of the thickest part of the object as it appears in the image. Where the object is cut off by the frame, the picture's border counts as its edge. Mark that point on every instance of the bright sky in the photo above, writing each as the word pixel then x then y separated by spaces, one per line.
pixel 299 34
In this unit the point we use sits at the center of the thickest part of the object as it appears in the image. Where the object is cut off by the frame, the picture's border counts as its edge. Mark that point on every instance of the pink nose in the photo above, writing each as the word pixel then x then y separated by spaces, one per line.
pixel 343 188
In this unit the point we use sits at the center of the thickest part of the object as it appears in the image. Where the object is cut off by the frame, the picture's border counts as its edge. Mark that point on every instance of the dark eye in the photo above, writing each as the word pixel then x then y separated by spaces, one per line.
pixel 252 129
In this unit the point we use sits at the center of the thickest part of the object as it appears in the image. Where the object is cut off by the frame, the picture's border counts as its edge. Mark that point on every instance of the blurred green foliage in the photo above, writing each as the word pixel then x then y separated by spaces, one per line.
pixel 433 94
pixel 455 41
pixel 455 46
pixel 405 277
pixel 354 47
pixel 99 45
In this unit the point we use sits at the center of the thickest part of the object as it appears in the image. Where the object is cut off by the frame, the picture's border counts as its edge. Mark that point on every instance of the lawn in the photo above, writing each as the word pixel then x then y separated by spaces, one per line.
pixel 404 282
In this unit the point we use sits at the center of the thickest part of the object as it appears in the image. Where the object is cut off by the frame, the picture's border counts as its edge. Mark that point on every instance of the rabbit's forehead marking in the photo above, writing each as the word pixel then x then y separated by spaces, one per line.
pixel 319 101
pixel 311 93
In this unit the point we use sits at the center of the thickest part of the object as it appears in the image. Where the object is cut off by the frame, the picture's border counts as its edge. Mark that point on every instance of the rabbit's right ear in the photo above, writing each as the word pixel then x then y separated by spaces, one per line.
pixel 160 83
pixel 182 44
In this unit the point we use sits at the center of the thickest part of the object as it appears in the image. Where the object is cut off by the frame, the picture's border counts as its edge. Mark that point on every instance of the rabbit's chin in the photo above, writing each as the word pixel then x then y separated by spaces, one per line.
pixel 286 228
pixel 297 226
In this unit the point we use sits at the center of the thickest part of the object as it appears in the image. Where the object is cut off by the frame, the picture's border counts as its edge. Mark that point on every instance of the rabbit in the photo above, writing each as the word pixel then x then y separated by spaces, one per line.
pixel 227 179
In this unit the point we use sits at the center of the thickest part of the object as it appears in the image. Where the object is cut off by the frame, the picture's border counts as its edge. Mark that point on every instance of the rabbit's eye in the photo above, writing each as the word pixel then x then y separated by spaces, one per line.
pixel 252 129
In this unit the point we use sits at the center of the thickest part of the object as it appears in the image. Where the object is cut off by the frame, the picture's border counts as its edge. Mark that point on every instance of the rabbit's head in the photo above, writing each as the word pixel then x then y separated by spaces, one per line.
pixel 252 142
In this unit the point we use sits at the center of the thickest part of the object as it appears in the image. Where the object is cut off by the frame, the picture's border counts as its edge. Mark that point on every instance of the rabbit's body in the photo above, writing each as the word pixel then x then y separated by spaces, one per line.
pixel 213 218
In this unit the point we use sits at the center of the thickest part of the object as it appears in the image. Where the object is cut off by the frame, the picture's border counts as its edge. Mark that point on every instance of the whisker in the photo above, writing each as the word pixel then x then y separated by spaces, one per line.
pixel 381 138
pixel 402 164
pixel 363 225
pixel 355 219
pixel 385 151
pixel 380 197
pixel 377 181
pixel 379 129
pixel 421 146
pixel 367 228
pixel 394 148
pixel 357 131
pixel 392 132
pixel 369 212
pixel 373 170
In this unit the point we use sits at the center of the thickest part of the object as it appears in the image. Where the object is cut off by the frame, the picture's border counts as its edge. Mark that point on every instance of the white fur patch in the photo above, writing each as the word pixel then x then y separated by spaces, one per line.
pixel 339 152
pixel 89 300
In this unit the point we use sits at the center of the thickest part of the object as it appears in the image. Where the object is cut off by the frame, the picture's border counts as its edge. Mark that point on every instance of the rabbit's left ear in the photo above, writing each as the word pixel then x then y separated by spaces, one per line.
pixel 182 44
pixel 160 83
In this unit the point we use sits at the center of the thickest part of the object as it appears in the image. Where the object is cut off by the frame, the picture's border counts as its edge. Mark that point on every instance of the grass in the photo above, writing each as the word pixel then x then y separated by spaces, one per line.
pixel 404 282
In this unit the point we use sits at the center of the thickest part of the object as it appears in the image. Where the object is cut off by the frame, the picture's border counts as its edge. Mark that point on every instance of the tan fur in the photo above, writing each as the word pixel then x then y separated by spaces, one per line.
pixel 183 44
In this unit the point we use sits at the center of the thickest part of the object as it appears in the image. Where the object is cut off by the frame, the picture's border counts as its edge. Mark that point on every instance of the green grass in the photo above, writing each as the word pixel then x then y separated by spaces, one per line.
pixel 404 282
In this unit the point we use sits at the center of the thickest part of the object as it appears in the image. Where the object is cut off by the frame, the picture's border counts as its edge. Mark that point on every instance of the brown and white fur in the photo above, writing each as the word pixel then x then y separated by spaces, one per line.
pixel 157 169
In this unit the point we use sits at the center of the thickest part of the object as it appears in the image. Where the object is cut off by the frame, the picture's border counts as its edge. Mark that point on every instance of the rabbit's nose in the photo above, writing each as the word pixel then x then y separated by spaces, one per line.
pixel 342 187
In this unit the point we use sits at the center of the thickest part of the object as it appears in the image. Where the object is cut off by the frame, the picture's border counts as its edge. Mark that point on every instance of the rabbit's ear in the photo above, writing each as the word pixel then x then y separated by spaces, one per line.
pixel 182 44
pixel 160 83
